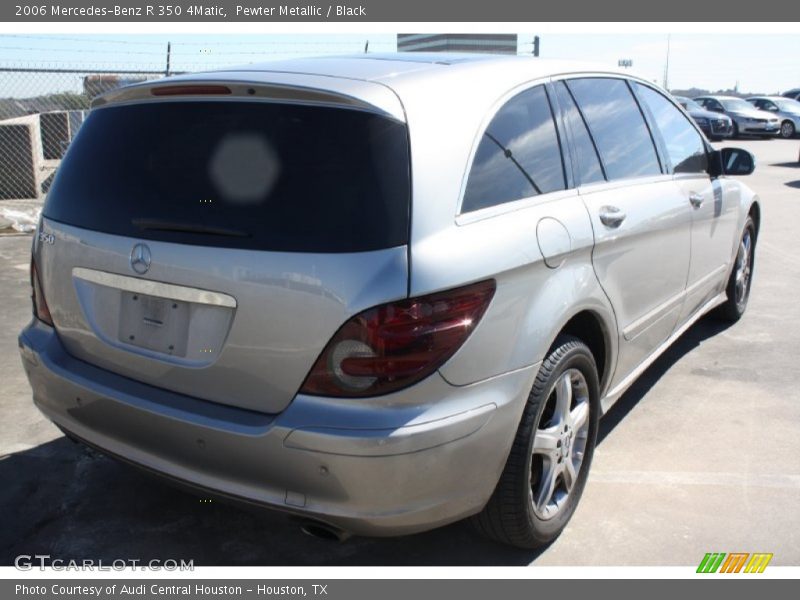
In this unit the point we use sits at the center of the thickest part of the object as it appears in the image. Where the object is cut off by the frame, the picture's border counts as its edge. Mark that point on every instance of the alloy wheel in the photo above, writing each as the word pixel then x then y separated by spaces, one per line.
pixel 559 444
pixel 744 267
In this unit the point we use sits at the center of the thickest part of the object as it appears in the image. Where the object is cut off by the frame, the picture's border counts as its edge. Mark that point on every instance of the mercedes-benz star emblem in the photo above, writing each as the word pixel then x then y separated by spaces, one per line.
pixel 140 258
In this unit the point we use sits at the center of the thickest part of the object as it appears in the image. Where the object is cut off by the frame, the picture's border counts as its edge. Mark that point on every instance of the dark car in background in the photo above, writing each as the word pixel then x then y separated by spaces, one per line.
pixel 794 94
pixel 786 109
pixel 747 119
pixel 716 126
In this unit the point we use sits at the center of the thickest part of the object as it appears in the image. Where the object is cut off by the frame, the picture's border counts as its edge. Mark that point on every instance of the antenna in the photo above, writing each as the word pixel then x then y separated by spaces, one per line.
pixel 666 66
pixel 366 47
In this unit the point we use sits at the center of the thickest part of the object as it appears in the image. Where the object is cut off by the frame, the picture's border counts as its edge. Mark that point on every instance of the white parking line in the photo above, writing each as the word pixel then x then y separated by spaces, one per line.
pixel 765 480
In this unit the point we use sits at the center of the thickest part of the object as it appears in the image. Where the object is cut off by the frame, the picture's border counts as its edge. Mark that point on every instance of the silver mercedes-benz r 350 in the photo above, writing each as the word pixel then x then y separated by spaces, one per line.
pixel 382 293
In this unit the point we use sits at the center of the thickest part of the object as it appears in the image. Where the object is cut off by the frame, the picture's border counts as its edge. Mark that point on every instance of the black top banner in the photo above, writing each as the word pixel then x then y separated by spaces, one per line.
pixel 440 11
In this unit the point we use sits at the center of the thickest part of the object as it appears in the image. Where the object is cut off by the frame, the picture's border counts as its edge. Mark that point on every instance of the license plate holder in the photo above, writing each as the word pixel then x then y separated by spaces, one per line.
pixel 154 323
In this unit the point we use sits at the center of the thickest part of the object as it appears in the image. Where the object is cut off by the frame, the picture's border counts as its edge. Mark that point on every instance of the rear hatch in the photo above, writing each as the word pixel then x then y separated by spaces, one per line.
pixel 212 246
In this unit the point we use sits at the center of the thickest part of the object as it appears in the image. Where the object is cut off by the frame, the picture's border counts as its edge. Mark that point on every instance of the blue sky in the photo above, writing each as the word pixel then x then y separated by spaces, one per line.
pixel 758 62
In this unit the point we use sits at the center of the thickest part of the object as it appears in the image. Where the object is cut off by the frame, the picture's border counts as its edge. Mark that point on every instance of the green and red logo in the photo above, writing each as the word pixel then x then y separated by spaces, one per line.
pixel 735 562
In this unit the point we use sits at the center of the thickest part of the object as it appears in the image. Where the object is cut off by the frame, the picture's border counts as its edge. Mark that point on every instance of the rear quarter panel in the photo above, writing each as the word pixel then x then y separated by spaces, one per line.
pixel 533 301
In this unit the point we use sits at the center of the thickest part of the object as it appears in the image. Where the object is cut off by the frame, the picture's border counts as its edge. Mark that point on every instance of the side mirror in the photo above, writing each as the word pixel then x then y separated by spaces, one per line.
pixel 732 161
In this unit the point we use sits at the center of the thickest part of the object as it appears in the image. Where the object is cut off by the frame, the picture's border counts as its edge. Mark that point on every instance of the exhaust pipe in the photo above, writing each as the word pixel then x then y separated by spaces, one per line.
pixel 323 531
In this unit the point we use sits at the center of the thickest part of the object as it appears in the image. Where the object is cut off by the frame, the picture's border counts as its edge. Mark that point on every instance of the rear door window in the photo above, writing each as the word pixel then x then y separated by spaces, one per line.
pixel 518 156
pixel 587 163
pixel 249 175
pixel 617 126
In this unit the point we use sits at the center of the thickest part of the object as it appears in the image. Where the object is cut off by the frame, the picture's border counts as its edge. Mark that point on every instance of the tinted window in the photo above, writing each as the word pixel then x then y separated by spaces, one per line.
pixel 690 104
pixel 238 174
pixel 685 147
pixel 518 156
pixel 617 127
pixel 711 104
pixel 587 167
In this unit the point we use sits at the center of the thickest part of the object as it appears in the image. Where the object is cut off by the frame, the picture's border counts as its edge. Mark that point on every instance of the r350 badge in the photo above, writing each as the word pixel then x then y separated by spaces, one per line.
pixel 47 238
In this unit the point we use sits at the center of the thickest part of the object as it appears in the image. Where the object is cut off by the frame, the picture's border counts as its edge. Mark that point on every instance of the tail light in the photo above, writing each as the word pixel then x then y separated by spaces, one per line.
pixel 395 345
pixel 40 309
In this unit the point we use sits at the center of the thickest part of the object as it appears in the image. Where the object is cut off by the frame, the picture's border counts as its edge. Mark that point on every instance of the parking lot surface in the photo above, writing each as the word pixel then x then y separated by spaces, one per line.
pixel 701 455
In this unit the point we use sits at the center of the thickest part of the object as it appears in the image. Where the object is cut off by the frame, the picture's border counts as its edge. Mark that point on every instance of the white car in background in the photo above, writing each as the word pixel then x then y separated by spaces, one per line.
pixel 747 119
pixel 785 109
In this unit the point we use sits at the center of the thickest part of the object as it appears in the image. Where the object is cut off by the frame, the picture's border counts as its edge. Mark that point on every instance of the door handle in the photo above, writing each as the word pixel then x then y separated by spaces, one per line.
pixel 611 216
pixel 696 199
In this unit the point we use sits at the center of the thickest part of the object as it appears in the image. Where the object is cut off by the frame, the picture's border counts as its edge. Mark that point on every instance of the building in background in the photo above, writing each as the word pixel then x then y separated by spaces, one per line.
pixel 500 43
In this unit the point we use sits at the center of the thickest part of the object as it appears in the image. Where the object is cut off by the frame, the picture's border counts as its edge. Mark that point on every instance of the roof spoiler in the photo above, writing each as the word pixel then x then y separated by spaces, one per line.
pixel 219 87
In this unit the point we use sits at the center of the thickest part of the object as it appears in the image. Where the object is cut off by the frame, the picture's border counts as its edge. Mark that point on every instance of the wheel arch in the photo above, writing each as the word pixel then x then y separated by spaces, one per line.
pixel 589 326
pixel 755 213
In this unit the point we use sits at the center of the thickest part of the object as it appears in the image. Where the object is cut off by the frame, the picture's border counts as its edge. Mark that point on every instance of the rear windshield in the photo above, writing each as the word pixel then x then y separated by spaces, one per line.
pixel 238 174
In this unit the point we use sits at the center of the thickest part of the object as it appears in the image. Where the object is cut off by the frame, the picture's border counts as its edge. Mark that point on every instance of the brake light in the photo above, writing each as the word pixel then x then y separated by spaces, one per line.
pixel 191 90
pixel 40 309
pixel 392 346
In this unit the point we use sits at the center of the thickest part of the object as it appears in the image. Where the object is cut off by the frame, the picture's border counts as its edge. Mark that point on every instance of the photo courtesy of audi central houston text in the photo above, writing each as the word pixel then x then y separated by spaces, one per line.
pixel 382 292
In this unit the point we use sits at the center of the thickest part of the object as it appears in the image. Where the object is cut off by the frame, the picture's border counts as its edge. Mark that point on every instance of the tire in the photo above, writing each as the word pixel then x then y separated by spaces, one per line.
pixel 513 516
pixel 787 130
pixel 741 278
pixel 735 133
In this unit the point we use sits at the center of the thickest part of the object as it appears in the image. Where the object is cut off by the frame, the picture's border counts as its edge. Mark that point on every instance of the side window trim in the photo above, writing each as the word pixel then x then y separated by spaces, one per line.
pixel 555 114
pixel 565 133
pixel 588 129
pixel 655 135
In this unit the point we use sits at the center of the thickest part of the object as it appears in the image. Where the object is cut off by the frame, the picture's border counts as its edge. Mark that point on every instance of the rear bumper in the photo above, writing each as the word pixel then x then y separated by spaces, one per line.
pixel 407 462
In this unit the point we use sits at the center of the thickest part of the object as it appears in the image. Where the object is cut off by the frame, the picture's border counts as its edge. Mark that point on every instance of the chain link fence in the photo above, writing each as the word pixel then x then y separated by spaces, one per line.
pixel 41 111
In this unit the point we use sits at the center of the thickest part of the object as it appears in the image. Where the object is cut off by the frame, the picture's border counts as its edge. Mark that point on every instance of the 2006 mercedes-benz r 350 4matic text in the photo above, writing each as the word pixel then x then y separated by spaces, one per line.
pixel 383 293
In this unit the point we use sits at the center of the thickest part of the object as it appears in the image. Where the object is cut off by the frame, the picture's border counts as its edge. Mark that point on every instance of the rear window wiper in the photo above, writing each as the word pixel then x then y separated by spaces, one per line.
pixel 164 225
